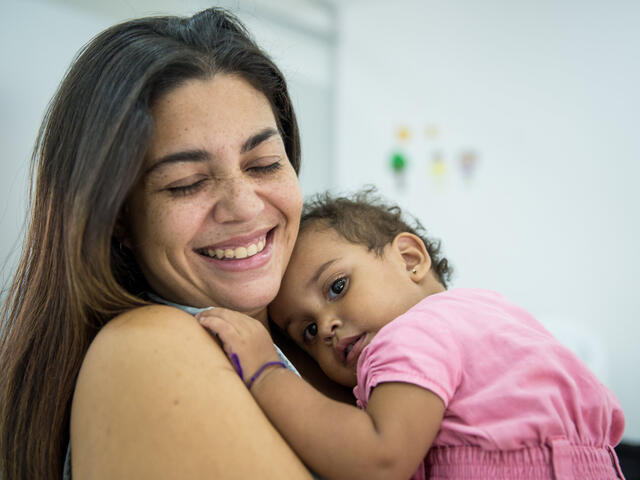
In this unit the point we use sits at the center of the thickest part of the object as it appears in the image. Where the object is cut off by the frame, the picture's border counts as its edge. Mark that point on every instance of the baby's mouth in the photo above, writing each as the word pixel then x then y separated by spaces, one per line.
pixel 234 253
pixel 349 348
pixel 346 349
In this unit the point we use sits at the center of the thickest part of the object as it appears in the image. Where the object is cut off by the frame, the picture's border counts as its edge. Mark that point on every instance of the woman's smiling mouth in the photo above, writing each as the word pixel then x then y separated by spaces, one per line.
pixel 239 252
pixel 235 253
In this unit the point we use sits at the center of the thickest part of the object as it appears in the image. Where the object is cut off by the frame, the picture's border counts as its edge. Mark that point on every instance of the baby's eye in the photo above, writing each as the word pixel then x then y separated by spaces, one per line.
pixel 337 288
pixel 310 332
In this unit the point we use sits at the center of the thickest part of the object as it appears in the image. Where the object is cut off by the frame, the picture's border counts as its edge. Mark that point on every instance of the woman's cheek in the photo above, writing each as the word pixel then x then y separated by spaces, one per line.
pixel 289 190
pixel 169 221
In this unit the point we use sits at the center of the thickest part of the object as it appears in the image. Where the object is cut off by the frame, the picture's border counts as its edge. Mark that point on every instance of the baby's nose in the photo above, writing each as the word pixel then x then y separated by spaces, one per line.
pixel 329 326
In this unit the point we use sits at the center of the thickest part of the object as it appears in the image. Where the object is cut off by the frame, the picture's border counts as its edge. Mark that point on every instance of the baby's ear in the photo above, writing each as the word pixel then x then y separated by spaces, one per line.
pixel 414 255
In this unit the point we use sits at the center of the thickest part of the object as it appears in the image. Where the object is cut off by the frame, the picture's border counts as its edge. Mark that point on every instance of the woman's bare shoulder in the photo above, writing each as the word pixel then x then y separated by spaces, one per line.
pixel 148 339
pixel 157 398
pixel 145 327
pixel 158 318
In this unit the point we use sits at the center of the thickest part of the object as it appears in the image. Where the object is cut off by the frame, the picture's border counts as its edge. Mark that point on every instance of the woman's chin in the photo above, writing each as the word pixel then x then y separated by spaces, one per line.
pixel 252 302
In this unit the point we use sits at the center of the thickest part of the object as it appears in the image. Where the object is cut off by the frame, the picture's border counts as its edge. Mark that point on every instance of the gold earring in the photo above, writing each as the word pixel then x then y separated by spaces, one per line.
pixel 414 271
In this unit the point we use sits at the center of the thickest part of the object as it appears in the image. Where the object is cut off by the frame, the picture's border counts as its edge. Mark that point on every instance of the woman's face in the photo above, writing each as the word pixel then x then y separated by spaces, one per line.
pixel 215 216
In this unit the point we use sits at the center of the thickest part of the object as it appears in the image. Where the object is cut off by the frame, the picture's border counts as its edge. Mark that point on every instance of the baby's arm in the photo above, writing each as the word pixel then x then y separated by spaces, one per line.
pixel 334 439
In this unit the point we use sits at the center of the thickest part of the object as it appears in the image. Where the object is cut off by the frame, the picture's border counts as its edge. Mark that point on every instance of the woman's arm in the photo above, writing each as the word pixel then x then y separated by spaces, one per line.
pixel 336 440
pixel 156 398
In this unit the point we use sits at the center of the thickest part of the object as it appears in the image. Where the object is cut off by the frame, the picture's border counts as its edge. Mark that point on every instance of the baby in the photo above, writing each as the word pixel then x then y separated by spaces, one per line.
pixel 450 384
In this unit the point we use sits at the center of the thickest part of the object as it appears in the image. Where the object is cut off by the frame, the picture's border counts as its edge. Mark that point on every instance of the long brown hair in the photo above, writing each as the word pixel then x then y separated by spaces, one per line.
pixel 74 276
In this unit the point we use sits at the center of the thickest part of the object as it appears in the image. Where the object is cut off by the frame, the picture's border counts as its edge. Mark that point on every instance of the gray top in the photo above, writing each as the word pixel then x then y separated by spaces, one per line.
pixel 66 474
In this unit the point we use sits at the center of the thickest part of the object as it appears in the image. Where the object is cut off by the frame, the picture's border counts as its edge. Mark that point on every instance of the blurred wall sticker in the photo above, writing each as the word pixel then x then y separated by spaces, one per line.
pixel 468 162
pixel 444 169
pixel 399 161
pixel 431 132
pixel 438 169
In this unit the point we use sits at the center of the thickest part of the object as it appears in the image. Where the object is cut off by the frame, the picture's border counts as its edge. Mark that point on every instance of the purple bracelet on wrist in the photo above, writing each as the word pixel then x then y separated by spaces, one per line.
pixel 255 376
pixel 235 361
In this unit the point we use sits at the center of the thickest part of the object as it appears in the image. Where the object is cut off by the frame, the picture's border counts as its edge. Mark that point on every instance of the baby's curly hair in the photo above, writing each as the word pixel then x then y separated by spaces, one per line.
pixel 365 218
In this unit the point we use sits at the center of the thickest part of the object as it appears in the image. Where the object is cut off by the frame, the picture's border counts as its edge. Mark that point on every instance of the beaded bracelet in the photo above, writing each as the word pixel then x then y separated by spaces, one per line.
pixel 261 369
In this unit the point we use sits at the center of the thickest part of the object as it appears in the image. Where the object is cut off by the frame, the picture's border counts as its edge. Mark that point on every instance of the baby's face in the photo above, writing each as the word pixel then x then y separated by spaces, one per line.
pixel 335 297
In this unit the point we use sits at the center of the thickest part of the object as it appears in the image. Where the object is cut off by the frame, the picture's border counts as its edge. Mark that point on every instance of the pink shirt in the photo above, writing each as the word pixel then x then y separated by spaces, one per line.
pixel 505 381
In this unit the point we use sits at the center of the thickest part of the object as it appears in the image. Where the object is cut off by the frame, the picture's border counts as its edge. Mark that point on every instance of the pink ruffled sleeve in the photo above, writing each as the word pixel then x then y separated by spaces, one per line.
pixel 418 348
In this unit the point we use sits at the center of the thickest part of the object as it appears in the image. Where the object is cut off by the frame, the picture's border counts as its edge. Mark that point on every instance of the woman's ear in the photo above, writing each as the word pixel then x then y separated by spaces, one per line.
pixel 414 255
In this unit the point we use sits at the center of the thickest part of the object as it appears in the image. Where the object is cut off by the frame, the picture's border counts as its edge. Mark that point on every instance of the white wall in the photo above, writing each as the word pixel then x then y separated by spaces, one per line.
pixel 38 42
pixel 547 94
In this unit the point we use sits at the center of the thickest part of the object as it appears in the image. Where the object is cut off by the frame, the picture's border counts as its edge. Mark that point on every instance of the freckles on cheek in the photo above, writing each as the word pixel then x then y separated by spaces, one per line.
pixel 162 224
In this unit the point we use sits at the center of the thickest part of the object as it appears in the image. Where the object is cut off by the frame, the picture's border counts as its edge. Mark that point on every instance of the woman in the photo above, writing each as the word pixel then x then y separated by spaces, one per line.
pixel 165 169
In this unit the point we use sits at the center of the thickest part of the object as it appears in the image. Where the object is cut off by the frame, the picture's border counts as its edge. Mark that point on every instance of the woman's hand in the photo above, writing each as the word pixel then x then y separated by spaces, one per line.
pixel 245 340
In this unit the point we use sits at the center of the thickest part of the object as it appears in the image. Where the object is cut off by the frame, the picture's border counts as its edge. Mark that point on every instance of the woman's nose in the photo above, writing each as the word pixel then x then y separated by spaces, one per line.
pixel 238 201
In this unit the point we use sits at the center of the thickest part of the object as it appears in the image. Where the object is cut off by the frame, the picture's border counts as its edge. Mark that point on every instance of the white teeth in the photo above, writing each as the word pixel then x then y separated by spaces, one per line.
pixel 238 252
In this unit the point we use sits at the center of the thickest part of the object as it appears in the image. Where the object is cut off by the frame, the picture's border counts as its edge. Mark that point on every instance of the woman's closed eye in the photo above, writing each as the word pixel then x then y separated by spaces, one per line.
pixel 264 168
pixel 184 190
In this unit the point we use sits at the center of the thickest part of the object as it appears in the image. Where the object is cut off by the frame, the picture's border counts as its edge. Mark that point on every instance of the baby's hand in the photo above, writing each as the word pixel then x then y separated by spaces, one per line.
pixel 245 340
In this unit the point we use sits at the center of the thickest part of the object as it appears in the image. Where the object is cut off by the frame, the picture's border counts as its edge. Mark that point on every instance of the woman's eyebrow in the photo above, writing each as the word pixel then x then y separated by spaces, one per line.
pixel 199 155
pixel 254 140
pixel 178 157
